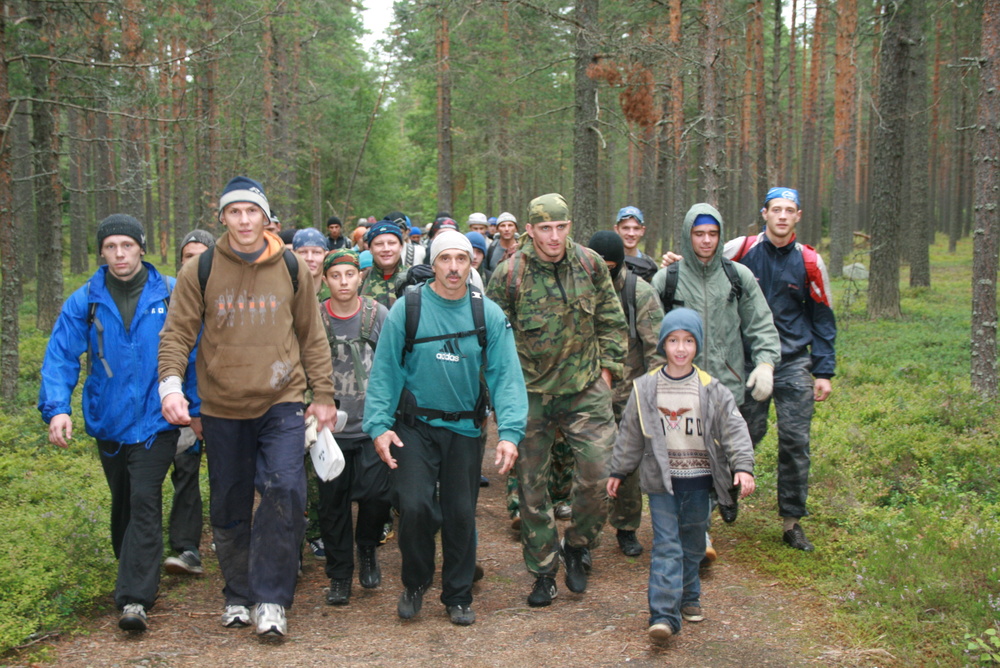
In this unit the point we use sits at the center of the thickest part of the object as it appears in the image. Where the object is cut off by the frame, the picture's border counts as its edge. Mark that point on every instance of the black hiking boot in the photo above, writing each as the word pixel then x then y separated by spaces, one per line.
pixel 543 592
pixel 796 537
pixel 629 544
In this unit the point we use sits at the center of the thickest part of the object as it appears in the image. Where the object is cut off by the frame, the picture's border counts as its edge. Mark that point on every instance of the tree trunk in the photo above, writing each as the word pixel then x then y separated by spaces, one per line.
pixel 761 131
pixel 987 206
pixel 844 131
pixel 776 167
pixel 10 290
pixel 181 187
pixel 916 215
pixel 812 137
pixel 24 193
pixel 887 159
pixel 711 163
pixel 585 150
pixel 445 184
pixel 78 228
pixel 678 198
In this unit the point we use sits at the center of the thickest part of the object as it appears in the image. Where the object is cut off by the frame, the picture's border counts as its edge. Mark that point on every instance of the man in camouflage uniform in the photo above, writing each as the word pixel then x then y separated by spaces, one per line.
pixel 643 314
pixel 570 333
pixel 385 241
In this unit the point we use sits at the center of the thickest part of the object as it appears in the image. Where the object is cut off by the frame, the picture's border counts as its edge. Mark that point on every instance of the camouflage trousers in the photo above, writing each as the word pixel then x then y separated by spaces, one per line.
pixel 587 423
pixel 560 478
pixel 793 404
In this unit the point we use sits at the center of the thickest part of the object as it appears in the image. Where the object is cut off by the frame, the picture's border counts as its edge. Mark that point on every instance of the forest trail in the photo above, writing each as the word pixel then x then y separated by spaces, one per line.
pixel 750 620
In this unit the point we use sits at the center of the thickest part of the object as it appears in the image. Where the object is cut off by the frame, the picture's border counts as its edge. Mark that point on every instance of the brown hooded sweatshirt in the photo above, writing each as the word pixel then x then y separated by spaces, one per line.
pixel 262 343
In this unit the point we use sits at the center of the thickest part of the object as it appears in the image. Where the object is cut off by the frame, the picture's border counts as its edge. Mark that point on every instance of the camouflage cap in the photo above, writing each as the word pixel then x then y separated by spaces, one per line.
pixel 547 207
pixel 341 256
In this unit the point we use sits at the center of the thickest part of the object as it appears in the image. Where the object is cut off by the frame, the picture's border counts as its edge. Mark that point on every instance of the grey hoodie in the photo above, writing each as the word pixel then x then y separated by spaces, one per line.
pixel 705 288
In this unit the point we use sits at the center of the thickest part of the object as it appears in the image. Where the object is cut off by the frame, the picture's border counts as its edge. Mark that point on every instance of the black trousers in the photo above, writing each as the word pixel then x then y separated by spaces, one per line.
pixel 187 509
pixel 432 459
pixel 135 473
pixel 365 479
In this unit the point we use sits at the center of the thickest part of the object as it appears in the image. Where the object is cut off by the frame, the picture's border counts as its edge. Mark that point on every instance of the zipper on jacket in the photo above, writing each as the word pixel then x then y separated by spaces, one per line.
pixel 555 270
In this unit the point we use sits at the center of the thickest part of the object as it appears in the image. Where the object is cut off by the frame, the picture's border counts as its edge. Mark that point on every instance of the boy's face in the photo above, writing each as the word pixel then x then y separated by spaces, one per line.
pixel 344 280
pixel 631 231
pixel 681 347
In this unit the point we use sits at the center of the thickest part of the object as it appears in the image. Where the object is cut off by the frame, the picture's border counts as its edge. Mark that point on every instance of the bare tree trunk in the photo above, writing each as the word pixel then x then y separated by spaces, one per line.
pixel 776 168
pixel 24 194
pixel 78 260
pixel 883 283
pixel 181 187
pixel 986 234
pixel 761 131
pixel 445 184
pixel 10 290
pixel 812 137
pixel 916 215
pixel 679 202
pixel 844 139
pixel 793 97
pixel 711 164
pixel 585 150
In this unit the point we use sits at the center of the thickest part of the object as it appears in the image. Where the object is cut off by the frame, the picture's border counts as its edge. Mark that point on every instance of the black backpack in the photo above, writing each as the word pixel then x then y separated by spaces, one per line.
pixel 670 286
pixel 205 268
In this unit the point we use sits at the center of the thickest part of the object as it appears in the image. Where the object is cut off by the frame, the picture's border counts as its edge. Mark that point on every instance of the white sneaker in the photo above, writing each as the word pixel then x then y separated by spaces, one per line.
pixel 133 618
pixel 270 618
pixel 236 617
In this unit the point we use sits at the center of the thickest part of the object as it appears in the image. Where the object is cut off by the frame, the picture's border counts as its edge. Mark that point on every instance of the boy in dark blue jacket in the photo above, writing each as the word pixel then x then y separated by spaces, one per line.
pixel 116 318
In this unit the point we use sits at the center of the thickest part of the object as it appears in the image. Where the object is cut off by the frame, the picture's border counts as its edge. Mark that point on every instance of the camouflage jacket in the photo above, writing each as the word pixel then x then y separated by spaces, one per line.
pixel 381 289
pixel 642 354
pixel 567 319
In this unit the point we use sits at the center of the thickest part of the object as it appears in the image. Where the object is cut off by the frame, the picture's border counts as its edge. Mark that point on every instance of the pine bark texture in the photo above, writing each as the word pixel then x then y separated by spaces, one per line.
pixel 10 290
pixel 584 206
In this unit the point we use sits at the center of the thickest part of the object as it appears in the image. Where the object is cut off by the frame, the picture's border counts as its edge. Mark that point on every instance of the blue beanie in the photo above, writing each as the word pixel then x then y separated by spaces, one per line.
pixel 477 240
pixel 416 230
pixel 365 259
pixel 243 189
pixel 308 236
pixel 383 227
pixel 681 318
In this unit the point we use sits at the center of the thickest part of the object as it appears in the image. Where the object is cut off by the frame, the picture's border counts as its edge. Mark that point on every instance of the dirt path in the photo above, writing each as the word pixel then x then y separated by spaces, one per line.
pixel 750 621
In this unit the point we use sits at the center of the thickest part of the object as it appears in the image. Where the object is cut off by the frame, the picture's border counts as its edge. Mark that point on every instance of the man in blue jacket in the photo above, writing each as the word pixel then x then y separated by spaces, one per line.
pixel 425 410
pixel 116 318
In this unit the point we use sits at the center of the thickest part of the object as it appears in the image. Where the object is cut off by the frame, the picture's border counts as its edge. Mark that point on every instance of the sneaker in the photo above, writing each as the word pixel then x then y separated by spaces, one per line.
pixel 660 632
pixel 236 617
pixel 543 592
pixel 515 523
pixel 483 482
pixel 478 574
pixel 692 613
pixel 796 537
pixel 270 618
pixel 576 572
pixel 629 544
pixel 133 618
pixel 462 615
pixel 728 513
pixel 563 512
pixel 387 532
pixel 710 553
pixel 318 548
pixel 187 562
pixel 410 602
pixel 339 592
pixel 369 573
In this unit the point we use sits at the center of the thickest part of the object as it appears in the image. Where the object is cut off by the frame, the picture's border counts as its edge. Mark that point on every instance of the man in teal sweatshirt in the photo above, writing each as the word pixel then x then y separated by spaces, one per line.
pixel 425 409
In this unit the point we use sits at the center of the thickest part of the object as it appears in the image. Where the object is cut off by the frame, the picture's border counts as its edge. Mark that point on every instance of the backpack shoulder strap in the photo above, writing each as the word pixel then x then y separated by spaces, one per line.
pixel 292 264
pixel 514 276
pixel 817 285
pixel 412 296
pixel 586 261
pixel 749 242
pixel 369 309
pixel 479 321
pixel 736 291
pixel 205 268
pixel 670 288
pixel 628 302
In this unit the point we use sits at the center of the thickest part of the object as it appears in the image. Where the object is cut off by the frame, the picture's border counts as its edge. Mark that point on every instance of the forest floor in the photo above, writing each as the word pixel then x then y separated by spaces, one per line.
pixel 750 620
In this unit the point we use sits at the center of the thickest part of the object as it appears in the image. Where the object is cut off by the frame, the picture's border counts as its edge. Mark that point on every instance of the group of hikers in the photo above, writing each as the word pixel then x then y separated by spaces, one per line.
pixel 607 375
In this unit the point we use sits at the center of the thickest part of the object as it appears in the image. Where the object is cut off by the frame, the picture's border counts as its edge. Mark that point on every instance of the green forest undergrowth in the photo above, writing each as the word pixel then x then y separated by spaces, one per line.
pixel 905 490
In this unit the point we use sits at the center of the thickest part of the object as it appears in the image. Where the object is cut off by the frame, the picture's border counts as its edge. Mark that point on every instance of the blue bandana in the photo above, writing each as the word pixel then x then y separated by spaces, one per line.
pixel 783 193
pixel 704 219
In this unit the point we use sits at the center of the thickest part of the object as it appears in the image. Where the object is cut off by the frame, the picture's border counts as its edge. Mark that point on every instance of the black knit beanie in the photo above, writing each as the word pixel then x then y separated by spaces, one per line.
pixel 610 247
pixel 120 223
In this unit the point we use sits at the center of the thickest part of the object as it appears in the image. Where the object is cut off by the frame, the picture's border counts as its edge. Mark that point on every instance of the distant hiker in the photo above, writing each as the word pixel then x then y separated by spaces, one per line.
pixel 504 242
pixel 796 286
pixel 425 409
pixel 187 509
pixel 570 333
pixel 631 227
pixel 682 431
pixel 353 327
pixel 385 240
pixel 643 314
pixel 478 242
pixel 733 309
pixel 478 222
pixel 116 318
pixel 335 239
pixel 262 347
pixel 310 245
pixel 413 252
pixel 273 224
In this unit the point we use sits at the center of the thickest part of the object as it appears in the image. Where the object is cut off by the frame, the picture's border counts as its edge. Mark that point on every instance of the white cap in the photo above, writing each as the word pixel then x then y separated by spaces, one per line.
pixel 450 240
pixel 478 219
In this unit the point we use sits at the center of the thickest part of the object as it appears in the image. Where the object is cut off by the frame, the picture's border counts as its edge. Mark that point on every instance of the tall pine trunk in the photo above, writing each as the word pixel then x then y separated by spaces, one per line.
pixel 445 184
pixel 916 214
pixel 10 290
pixel 584 205
pixel 844 136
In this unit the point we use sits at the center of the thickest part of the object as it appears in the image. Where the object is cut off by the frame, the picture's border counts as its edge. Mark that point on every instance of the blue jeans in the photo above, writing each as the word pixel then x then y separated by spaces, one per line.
pixel 679 524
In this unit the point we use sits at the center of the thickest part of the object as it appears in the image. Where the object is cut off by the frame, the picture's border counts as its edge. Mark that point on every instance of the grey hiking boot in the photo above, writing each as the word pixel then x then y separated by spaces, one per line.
pixel 187 562
pixel 461 615
pixel 410 602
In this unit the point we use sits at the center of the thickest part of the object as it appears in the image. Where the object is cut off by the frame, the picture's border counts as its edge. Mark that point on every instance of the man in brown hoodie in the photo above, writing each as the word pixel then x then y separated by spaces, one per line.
pixel 262 346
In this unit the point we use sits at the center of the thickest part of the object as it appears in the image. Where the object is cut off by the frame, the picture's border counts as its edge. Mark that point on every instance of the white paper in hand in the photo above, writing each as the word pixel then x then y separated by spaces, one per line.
pixel 328 460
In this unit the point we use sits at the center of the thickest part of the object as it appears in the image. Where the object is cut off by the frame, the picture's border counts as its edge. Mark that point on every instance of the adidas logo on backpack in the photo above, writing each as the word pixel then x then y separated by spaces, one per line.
pixel 449 352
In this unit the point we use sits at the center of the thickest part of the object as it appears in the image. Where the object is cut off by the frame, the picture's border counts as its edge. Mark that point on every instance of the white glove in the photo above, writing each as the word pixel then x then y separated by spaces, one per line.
pixel 761 382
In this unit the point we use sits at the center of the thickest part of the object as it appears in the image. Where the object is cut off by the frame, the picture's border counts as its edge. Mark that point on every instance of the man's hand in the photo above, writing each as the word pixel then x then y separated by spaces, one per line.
pixel 60 430
pixel 196 428
pixel 746 483
pixel 606 377
pixel 506 456
pixel 325 414
pixel 669 258
pixel 382 444
pixel 613 485
pixel 761 382
pixel 175 410
pixel 821 389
